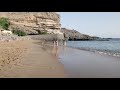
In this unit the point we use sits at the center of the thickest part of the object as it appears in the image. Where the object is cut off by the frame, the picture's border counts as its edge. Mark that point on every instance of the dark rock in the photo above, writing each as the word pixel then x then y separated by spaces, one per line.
pixel 74 35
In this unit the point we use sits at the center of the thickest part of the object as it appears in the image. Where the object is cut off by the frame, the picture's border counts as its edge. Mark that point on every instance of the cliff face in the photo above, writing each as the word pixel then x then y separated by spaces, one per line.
pixel 31 22
pixel 75 35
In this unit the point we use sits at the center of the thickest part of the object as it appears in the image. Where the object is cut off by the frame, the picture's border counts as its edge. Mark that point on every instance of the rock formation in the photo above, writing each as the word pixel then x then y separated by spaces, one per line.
pixel 32 22
pixel 75 35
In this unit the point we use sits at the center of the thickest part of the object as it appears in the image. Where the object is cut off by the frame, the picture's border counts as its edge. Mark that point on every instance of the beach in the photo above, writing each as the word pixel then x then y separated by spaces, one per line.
pixel 26 59
pixel 59 45
pixel 35 59
pixel 86 64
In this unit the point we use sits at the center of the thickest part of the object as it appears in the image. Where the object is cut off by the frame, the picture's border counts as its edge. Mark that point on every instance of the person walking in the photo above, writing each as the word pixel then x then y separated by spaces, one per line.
pixel 65 39
pixel 55 40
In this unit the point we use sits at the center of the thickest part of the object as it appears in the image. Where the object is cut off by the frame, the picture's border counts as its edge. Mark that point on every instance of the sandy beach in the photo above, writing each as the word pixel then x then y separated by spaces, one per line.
pixel 34 59
pixel 26 59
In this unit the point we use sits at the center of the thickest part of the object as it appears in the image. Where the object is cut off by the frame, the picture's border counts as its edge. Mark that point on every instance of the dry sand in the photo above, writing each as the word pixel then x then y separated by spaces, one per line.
pixel 26 59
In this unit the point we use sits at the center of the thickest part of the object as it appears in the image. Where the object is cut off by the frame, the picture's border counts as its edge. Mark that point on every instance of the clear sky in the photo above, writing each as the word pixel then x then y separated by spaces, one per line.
pixel 102 24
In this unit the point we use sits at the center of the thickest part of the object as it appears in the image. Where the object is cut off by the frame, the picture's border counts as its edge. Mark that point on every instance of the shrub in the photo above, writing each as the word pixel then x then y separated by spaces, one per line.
pixel 19 32
pixel 4 23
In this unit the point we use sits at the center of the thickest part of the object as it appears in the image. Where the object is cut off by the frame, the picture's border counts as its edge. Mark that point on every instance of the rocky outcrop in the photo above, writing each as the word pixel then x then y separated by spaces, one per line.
pixel 75 35
pixel 32 22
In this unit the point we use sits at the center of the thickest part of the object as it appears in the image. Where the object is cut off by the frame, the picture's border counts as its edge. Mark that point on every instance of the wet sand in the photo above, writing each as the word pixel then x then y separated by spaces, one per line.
pixel 85 64
pixel 26 59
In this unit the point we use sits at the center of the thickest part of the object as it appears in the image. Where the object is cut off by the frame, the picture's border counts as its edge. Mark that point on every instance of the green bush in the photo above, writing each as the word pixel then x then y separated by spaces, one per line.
pixel 4 23
pixel 19 32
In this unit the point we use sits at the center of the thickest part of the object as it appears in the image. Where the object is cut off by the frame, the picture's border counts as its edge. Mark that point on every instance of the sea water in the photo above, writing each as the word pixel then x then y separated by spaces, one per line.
pixel 111 47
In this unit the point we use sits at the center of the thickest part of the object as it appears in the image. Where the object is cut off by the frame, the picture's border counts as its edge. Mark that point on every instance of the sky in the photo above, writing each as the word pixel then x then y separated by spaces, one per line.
pixel 102 24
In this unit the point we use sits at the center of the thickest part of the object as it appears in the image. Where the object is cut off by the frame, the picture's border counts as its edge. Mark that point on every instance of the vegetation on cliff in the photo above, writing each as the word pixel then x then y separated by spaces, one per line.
pixel 4 23
pixel 19 32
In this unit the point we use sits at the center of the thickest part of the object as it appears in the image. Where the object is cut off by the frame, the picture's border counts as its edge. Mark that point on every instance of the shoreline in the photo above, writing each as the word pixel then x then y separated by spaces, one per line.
pixel 85 64
pixel 97 52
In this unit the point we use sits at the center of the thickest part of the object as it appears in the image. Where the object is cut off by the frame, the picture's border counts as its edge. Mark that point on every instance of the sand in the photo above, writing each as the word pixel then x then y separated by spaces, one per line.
pixel 26 59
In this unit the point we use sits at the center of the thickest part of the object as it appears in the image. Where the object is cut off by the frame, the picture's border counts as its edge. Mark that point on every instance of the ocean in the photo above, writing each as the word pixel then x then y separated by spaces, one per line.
pixel 111 47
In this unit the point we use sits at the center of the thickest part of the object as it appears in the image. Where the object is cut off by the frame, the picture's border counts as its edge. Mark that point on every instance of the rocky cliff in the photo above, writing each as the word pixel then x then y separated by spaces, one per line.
pixel 32 22
pixel 75 35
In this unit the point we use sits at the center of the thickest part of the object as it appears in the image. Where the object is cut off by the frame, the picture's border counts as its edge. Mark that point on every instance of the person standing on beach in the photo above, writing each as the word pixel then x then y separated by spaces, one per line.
pixel 65 39
pixel 55 40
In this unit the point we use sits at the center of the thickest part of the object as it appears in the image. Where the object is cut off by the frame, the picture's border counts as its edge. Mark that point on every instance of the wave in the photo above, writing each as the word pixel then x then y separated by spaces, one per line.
pixel 100 51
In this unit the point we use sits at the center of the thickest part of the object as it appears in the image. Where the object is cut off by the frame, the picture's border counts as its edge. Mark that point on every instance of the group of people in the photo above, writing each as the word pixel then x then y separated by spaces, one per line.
pixel 55 41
